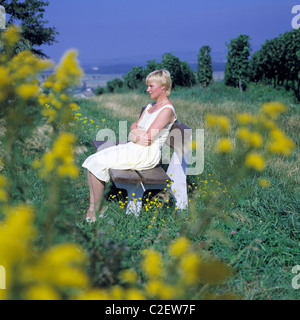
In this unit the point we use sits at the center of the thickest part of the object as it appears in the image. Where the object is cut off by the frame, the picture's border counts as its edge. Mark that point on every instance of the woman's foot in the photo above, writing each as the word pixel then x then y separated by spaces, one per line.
pixel 90 216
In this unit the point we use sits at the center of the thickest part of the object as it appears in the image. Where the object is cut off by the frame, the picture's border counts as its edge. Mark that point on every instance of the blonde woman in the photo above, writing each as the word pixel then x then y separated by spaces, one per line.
pixel 147 136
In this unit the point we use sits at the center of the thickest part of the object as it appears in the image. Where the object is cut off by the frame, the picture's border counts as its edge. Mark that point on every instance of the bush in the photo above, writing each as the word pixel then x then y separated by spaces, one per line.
pixel 99 90
pixel 114 84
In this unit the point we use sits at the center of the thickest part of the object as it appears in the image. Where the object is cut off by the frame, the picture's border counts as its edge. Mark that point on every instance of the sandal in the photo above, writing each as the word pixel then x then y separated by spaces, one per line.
pixel 101 215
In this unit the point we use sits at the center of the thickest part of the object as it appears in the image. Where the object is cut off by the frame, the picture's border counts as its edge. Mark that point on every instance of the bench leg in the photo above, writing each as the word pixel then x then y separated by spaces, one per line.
pixel 177 173
pixel 135 197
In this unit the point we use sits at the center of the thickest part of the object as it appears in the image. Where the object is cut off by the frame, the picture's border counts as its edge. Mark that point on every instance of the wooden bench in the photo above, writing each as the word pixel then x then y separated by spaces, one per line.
pixel 137 182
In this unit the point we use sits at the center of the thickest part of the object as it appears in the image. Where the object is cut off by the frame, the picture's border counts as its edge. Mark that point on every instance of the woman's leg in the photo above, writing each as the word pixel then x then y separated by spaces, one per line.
pixel 96 187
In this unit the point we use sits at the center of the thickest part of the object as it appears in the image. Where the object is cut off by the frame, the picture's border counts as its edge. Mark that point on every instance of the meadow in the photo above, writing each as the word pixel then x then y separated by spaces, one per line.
pixel 259 233
pixel 238 238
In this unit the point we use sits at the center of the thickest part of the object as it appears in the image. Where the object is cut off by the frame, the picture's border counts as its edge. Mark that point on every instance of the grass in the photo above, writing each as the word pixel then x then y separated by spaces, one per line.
pixel 260 232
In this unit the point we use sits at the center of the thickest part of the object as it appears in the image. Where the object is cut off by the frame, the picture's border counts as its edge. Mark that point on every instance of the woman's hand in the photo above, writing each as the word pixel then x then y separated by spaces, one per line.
pixel 140 137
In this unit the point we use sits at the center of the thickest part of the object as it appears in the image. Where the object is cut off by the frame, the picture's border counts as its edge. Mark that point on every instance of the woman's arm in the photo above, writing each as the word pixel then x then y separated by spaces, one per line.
pixel 139 136
pixel 133 126
pixel 144 138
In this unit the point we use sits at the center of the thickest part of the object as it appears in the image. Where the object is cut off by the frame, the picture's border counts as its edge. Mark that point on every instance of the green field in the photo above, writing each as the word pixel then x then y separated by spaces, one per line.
pixel 259 237
pixel 252 229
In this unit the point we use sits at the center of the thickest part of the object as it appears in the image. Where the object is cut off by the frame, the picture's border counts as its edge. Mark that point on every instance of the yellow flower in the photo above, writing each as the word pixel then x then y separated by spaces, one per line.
pixel 218 121
pixel 60 159
pixel 152 263
pixel 27 91
pixel 224 145
pixel 264 183
pixel 68 71
pixel 189 268
pixel 244 118
pixel 3 184
pixel 280 143
pixel 134 294
pixel 158 289
pixel 243 133
pixel 273 109
pixel 11 35
pixel 255 161
pixel 94 294
pixel 41 292
pixel 213 271
pixel 129 276
pixel 253 139
pixel 179 247
pixel 61 266
pixel 117 293
pixel 5 82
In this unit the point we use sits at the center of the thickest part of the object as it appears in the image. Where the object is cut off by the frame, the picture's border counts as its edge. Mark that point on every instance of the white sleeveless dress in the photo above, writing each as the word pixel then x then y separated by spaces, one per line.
pixel 130 155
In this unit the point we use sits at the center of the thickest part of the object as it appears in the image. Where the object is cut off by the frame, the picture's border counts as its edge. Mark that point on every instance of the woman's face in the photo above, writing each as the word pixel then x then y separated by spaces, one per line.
pixel 155 90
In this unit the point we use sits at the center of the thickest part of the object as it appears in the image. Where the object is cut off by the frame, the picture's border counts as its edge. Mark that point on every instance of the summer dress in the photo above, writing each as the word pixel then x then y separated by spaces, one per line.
pixel 130 155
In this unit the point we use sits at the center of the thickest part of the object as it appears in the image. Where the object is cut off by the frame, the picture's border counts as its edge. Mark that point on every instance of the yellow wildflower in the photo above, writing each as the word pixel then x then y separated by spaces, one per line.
pixel 218 121
pixel 3 184
pixel 41 292
pixel 256 139
pixel 129 276
pixel 135 294
pixel 152 263
pixel 94 294
pixel 264 183
pixel 5 82
pixel 189 267
pixel 253 139
pixel 27 91
pixel 244 118
pixel 60 158
pixel 280 143
pixel 68 71
pixel 213 271
pixel 224 145
pixel 179 247
pixel 11 35
pixel 61 266
pixel 159 289
pixel 255 161
pixel 273 109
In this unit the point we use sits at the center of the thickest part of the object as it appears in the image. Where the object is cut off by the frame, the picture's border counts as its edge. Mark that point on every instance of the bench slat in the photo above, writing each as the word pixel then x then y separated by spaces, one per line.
pixel 124 176
pixel 156 175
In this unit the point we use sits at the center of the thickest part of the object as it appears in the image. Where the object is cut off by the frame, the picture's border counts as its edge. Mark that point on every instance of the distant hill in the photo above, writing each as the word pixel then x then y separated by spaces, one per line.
pixel 124 68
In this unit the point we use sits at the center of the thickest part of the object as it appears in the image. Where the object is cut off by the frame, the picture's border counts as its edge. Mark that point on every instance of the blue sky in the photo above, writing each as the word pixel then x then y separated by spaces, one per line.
pixel 127 30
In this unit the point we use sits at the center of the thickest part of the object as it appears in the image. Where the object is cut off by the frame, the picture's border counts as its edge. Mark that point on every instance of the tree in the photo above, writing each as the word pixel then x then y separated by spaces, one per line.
pixel 134 77
pixel 278 62
pixel 237 65
pixel 30 15
pixel 181 72
pixel 114 84
pixel 205 70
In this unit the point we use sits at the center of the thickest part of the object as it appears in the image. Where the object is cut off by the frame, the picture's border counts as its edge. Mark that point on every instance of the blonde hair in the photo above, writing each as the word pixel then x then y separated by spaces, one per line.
pixel 161 77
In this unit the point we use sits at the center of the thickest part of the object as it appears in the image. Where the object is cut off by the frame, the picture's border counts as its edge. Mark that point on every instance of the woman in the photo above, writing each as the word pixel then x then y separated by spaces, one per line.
pixel 147 137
